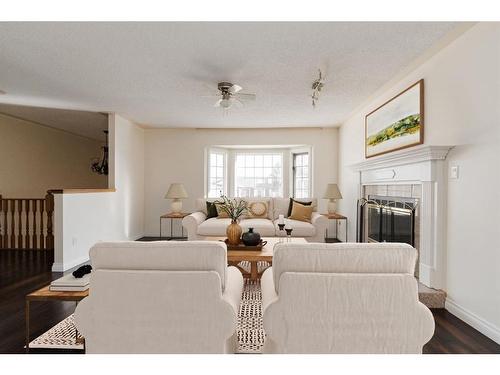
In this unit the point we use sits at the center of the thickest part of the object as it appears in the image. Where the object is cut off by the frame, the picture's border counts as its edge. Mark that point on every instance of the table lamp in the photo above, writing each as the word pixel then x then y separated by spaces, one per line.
pixel 176 192
pixel 332 193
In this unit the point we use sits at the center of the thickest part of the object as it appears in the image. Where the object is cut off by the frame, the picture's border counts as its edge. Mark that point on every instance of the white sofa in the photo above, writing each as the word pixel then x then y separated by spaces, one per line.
pixel 344 298
pixel 160 297
pixel 198 226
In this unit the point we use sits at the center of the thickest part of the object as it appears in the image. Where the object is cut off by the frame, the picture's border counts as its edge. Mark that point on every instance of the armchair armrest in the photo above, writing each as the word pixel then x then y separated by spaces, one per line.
pixel 319 220
pixel 83 318
pixel 320 223
pixel 269 294
pixel 233 288
pixel 196 217
pixel 191 223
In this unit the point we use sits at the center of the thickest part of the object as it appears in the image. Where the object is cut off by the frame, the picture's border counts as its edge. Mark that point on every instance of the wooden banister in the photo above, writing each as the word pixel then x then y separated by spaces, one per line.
pixel 22 223
pixel 49 207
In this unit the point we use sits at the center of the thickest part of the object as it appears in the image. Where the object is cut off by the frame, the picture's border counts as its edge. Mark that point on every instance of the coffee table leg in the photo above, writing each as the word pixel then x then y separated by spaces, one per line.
pixel 27 315
pixel 253 271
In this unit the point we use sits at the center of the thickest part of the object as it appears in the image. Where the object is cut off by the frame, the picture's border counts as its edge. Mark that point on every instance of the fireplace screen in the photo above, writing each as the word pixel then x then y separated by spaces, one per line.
pixel 386 219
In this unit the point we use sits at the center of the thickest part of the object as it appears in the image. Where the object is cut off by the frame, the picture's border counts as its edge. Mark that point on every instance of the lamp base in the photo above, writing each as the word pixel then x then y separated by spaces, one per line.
pixel 176 206
pixel 332 206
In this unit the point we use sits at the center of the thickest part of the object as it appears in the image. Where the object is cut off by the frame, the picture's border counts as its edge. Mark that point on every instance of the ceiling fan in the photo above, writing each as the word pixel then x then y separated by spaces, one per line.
pixel 230 94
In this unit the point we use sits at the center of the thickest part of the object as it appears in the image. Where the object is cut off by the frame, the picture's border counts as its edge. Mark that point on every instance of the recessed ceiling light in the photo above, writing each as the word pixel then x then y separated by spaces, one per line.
pixel 2 92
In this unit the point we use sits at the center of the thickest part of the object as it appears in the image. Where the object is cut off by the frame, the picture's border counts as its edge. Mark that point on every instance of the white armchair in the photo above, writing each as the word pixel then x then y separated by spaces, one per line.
pixel 344 298
pixel 160 297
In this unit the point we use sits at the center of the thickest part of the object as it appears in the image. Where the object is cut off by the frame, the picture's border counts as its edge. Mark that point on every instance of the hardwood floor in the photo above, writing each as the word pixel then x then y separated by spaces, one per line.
pixel 22 272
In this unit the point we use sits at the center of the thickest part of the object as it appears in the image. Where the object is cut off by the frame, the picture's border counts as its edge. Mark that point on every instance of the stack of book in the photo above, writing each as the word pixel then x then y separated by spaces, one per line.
pixel 69 283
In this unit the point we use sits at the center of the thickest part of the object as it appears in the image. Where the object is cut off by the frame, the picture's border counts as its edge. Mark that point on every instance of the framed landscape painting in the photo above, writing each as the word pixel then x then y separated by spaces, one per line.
pixel 396 124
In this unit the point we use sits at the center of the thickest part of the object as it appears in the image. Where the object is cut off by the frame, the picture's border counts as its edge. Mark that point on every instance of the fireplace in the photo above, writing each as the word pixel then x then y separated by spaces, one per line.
pixel 418 173
pixel 387 219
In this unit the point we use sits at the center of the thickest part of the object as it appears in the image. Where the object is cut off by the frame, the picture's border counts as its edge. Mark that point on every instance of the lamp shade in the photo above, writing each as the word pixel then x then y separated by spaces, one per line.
pixel 176 191
pixel 332 192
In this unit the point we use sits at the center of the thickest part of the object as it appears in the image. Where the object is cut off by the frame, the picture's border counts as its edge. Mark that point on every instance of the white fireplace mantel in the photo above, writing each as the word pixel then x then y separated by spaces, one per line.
pixel 402 157
pixel 424 165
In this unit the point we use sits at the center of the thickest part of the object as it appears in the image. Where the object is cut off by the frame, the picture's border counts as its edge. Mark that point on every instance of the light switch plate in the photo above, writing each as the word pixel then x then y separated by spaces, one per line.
pixel 454 171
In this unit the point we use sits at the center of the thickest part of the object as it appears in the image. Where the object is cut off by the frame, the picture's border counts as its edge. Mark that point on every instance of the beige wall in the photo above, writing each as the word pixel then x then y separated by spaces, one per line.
pixel 462 109
pixel 35 158
pixel 82 219
pixel 178 155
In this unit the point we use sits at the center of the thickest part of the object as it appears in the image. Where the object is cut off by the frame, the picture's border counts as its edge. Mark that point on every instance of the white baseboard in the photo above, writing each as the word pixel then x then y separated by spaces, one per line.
pixel 62 267
pixel 483 326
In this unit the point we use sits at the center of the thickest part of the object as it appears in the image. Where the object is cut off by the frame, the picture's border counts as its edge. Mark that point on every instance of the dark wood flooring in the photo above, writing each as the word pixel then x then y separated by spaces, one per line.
pixel 22 272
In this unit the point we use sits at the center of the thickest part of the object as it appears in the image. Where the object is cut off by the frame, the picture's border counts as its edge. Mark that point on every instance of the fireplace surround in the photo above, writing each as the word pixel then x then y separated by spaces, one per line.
pixel 419 172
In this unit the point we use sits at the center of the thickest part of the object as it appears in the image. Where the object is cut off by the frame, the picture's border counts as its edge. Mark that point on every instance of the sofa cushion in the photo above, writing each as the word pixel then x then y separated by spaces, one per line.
pixel 200 204
pixel 211 210
pixel 264 227
pixel 301 212
pixel 280 205
pixel 213 227
pixel 221 212
pixel 251 201
pixel 258 209
pixel 299 228
pixel 292 201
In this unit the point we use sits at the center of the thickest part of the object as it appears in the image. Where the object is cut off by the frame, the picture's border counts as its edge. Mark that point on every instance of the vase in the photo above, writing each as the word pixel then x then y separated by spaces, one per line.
pixel 233 233
pixel 250 238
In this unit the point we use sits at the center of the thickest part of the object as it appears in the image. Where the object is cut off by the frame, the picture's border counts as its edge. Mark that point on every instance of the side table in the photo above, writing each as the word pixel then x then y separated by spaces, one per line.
pixel 336 217
pixel 45 294
pixel 173 216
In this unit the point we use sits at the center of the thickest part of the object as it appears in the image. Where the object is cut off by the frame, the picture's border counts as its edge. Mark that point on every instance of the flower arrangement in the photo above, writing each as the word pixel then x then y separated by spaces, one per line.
pixel 234 208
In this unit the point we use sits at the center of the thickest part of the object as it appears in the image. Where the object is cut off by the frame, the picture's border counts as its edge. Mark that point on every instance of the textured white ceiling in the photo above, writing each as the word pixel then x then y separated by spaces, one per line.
pixel 87 124
pixel 157 73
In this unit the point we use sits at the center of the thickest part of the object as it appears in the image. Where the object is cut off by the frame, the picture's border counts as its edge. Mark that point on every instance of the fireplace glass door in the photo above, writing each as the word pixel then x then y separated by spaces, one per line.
pixel 390 220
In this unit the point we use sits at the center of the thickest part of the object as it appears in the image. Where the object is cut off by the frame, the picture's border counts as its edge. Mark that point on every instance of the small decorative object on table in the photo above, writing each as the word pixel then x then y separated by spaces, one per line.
pixel 281 226
pixel 234 208
pixel 82 271
pixel 250 238
pixel 242 246
pixel 288 230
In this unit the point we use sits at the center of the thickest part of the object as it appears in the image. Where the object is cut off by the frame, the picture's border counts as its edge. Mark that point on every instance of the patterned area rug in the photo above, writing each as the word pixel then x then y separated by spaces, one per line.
pixel 61 336
pixel 250 329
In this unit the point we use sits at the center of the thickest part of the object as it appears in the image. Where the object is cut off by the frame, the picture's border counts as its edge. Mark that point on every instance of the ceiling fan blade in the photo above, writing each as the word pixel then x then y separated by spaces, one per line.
pixel 235 88
pixel 245 96
pixel 210 96
pixel 217 104
pixel 236 101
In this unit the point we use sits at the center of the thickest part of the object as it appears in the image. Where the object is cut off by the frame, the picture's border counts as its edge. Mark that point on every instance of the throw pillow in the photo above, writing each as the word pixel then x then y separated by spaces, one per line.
pixel 258 209
pixel 291 205
pixel 221 214
pixel 301 212
pixel 211 210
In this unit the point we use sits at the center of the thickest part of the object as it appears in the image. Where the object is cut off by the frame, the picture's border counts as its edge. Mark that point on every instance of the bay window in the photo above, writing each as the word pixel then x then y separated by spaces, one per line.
pixel 248 171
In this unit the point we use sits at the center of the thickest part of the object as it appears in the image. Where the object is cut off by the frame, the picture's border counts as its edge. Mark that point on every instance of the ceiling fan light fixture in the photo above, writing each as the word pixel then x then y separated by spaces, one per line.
pixel 225 103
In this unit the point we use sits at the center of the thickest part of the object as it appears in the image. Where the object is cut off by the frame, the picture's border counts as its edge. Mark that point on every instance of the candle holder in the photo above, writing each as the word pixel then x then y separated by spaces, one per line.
pixel 288 234
pixel 281 227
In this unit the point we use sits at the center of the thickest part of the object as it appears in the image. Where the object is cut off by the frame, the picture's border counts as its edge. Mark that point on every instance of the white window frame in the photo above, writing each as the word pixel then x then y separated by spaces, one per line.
pixel 224 152
pixel 280 152
pixel 301 150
